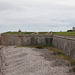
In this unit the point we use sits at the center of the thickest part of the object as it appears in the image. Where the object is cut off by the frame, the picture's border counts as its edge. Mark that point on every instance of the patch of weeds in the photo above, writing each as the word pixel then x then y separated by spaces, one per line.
pixel 15 47
pixel 40 47
pixel 55 50
pixel 72 61
pixel 63 56
pixel 20 46
pixel 73 68
pixel 56 53
pixel 48 45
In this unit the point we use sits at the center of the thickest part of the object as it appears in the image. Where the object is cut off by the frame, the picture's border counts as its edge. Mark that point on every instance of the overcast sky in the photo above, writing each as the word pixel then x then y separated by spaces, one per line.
pixel 37 15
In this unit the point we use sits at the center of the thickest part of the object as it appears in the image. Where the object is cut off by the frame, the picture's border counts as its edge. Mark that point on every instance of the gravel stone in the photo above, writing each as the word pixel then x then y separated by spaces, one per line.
pixel 31 61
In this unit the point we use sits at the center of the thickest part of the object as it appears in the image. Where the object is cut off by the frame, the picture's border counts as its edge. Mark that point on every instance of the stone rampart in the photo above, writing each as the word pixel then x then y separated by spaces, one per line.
pixel 0 39
pixel 25 39
pixel 66 44
pixel 1 61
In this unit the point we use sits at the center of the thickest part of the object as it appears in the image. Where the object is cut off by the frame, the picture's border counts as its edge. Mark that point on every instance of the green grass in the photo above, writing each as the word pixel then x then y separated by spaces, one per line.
pixel 17 32
pixel 23 32
pixel 55 33
pixel 42 32
pixel 39 47
pixel 47 45
pixel 64 33
pixel 10 33
pixel 23 46
pixel 27 32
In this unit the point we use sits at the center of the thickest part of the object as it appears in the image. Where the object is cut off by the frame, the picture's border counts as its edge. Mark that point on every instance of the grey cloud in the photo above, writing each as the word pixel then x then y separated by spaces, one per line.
pixel 46 15
pixel 4 6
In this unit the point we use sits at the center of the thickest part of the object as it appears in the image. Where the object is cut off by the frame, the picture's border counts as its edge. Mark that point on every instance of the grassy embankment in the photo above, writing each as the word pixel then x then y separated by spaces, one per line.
pixel 23 32
pixel 55 33
pixel 64 33
pixel 17 32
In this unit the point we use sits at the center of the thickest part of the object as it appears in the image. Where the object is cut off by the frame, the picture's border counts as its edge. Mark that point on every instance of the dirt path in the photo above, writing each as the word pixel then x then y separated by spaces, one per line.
pixel 31 61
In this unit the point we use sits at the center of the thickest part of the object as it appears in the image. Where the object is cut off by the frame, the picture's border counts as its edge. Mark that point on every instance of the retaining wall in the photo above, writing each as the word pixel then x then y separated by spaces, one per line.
pixel 1 62
pixel 23 40
pixel 0 39
pixel 66 44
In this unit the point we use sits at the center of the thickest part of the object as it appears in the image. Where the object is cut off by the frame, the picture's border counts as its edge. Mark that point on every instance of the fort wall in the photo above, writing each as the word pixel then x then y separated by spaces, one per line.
pixel 25 39
pixel 0 39
pixel 66 44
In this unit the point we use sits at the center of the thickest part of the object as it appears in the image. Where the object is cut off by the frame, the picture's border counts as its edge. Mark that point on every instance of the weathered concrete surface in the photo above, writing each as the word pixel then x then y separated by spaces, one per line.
pixel 23 40
pixel 1 61
pixel 0 39
pixel 66 44
pixel 31 61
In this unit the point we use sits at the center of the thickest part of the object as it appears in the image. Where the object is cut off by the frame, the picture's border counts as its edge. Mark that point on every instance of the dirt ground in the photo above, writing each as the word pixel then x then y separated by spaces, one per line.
pixel 31 61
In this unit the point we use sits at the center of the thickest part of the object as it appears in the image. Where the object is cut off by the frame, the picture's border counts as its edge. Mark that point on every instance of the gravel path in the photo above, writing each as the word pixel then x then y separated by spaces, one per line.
pixel 31 61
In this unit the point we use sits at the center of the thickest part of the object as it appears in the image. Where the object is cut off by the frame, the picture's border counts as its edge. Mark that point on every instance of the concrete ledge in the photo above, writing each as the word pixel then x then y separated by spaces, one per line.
pixel 64 37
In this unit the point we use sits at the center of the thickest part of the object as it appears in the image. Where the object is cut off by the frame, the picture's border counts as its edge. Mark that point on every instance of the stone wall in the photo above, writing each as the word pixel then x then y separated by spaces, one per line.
pixel 65 43
pixel 1 62
pixel 25 39
pixel 0 39
pixel 8 39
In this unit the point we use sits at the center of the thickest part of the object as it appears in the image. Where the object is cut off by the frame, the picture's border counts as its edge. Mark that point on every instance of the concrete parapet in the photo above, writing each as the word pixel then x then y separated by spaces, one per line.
pixel 66 44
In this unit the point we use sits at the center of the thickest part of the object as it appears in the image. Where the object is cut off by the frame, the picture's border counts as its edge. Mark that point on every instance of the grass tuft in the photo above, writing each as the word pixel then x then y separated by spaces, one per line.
pixel 40 47
pixel 48 45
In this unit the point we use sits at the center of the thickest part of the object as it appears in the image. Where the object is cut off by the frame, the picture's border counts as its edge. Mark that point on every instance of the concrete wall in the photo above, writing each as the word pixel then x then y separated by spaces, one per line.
pixel 66 44
pixel 0 61
pixel 8 39
pixel 23 40
pixel 0 39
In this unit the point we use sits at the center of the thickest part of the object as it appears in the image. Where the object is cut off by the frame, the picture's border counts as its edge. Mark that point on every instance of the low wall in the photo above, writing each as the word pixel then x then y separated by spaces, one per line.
pixel 25 39
pixel 1 63
pixel 66 44
pixel 0 39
